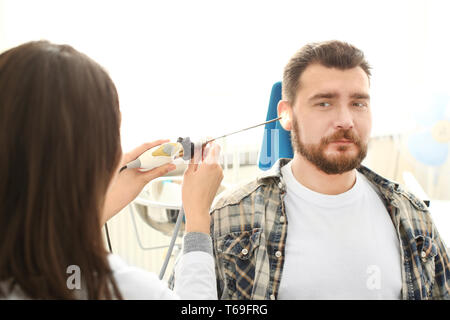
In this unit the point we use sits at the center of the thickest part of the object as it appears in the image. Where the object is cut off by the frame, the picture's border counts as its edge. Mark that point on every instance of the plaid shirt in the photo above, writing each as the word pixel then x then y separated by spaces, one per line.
pixel 249 239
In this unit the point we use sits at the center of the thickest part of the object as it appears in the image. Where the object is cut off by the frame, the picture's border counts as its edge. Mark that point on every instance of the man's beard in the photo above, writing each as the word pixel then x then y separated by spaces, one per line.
pixel 339 164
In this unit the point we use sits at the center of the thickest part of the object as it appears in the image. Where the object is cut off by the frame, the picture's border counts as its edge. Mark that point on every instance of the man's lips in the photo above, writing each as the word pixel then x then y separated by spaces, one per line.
pixel 342 141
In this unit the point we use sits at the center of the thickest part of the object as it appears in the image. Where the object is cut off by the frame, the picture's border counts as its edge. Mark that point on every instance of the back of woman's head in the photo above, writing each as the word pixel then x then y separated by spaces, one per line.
pixel 60 143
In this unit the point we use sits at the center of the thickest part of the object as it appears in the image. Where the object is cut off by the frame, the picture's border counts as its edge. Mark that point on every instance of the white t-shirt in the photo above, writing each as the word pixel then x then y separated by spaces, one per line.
pixel 339 246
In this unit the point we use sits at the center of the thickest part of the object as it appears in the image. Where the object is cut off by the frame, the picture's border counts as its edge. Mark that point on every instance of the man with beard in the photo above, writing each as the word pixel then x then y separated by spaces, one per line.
pixel 323 226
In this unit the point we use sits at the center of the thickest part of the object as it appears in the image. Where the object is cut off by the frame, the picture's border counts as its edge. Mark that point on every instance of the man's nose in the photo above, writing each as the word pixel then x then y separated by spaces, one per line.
pixel 344 118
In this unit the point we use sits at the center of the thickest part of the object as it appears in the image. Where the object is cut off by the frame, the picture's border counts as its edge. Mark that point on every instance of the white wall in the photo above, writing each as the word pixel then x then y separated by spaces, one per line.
pixel 202 68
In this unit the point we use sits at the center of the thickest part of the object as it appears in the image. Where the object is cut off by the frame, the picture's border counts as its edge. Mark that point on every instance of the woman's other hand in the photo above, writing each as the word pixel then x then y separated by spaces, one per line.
pixel 200 185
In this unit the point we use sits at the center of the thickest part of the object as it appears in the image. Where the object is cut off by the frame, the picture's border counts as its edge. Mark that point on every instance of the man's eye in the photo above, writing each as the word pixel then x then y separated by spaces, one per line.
pixel 324 104
pixel 360 104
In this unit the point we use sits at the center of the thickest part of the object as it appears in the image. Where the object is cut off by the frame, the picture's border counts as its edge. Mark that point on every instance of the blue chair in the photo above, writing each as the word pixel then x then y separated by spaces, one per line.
pixel 277 141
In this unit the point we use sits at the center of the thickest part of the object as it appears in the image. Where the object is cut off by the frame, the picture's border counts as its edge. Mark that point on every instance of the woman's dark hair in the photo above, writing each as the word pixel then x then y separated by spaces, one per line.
pixel 60 144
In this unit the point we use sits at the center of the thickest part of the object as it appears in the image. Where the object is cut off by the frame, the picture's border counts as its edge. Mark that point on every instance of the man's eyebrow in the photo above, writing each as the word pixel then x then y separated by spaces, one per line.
pixel 332 95
pixel 360 95
pixel 324 95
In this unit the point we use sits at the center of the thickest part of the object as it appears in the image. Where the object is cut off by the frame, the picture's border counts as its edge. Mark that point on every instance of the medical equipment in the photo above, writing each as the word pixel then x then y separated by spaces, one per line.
pixel 168 152
pixel 229 134
pixel 184 148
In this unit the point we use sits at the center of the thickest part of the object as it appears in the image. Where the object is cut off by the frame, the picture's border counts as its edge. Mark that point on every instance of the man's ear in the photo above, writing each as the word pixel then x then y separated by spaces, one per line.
pixel 285 111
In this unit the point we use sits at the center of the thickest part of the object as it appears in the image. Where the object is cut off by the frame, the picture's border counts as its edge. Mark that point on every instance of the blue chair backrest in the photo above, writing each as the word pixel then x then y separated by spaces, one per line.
pixel 276 141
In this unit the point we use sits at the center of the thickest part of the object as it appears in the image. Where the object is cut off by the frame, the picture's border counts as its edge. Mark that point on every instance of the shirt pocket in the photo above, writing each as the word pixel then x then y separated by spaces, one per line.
pixel 427 251
pixel 237 258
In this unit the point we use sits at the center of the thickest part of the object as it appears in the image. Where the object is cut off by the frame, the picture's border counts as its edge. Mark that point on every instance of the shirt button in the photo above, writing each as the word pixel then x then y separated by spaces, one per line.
pixel 282 219
pixel 278 254
pixel 244 251
pixel 272 297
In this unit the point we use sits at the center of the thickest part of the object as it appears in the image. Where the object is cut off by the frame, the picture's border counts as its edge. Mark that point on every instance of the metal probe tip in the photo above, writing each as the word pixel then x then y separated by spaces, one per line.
pixel 229 134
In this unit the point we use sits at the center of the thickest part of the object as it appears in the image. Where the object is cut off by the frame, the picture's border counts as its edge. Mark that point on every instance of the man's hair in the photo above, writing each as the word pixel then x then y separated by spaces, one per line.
pixel 60 146
pixel 331 54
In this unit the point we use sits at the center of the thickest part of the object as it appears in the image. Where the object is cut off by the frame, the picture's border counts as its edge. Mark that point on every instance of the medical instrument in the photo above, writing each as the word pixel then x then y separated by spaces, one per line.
pixel 166 153
pixel 156 156
pixel 184 147
pixel 181 214
pixel 229 134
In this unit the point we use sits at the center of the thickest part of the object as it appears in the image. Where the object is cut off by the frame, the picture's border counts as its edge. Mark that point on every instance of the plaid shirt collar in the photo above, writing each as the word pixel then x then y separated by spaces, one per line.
pixel 275 173
pixel 389 189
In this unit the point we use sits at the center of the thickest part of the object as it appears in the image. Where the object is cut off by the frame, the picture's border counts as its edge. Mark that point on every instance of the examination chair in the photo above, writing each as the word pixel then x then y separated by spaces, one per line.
pixel 276 141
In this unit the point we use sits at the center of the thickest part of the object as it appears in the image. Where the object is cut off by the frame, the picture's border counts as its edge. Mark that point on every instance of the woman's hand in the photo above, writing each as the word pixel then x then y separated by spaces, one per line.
pixel 126 185
pixel 200 185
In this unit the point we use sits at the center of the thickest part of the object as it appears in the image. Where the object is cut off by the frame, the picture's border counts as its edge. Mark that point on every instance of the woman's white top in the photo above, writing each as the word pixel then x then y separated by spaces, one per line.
pixel 194 275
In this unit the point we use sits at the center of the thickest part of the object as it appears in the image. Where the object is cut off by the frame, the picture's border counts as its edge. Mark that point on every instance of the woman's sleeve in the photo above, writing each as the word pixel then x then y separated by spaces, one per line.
pixel 195 277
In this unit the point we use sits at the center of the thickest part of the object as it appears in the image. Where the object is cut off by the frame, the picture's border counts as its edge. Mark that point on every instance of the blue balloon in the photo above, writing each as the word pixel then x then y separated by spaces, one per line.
pixel 434 111
pixel 427 150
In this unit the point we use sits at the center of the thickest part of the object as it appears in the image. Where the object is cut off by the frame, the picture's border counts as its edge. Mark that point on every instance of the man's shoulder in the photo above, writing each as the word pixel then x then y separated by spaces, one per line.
pixel 236 194
pixel 411 207
pixel 241 212
pixel 243 191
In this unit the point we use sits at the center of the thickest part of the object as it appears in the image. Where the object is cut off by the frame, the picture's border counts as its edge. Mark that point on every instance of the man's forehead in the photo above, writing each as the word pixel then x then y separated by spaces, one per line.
pixel 317 77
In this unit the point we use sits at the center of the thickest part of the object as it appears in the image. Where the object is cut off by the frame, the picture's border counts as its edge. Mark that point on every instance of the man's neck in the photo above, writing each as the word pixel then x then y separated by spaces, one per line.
pixel 314 179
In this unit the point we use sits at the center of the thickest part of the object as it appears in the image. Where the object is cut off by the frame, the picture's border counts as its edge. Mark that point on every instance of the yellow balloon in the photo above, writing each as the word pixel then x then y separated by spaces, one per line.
pixel 441 131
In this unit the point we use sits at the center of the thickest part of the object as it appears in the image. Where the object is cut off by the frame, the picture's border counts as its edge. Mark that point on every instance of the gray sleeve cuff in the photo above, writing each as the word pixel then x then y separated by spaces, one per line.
pixel 197 241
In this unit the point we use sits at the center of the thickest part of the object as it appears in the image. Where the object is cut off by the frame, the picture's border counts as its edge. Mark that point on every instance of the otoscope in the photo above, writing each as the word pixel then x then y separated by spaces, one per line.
pixel 168 152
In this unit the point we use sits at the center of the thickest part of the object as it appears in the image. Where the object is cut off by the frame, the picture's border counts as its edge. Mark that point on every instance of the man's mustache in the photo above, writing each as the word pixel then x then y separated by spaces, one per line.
pixel 347 134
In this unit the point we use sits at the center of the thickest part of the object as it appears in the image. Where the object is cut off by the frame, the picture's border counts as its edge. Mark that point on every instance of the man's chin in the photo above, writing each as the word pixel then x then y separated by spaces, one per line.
pixel 332 158
pixel 339 162
pixel 341 167
pixel 336 155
